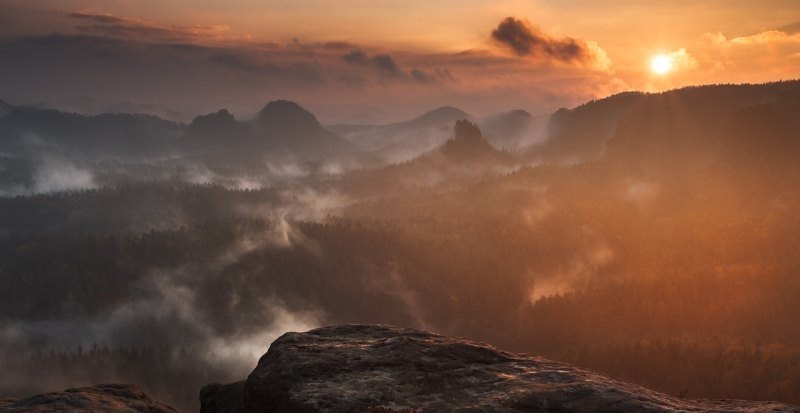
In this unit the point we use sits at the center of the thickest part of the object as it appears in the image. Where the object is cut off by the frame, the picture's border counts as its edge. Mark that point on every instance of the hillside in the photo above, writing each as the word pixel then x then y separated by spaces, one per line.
pixel 404 140
pixel 463 159
pixel 582 133
pixel 633 264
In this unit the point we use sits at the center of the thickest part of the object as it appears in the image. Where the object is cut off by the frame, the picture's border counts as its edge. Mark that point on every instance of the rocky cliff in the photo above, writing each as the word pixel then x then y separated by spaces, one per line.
pixel 368 368
pixel 106 398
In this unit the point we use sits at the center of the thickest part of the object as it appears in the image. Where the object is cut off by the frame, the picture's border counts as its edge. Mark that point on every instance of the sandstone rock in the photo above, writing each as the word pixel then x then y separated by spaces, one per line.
pixel 368 368
pixel 222 398
pixel 107 398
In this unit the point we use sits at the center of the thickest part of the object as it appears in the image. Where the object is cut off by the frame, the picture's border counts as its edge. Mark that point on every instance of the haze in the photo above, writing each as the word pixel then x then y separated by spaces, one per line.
pixel 614 184
pixel 193 57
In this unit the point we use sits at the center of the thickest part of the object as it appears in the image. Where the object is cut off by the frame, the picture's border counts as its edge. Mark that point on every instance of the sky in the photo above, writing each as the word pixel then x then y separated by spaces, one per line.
pixel 372 61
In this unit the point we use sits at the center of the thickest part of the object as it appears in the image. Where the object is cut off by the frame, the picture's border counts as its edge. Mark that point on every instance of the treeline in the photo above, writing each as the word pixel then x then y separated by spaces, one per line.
pixel 628 264
pixel 128 208
pixel 698 369
pixel 172 373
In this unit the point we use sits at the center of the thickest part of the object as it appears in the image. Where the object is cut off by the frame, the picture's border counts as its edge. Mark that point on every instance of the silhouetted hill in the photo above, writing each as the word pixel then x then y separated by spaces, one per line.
pixel 89 106
pixel 463 159
pixel 214 131
pixel 440 116
pixel 582 132
pixel 683 115
pixel 123 135
pixel 404 140
pixel 468 146
pixel 285 126
pixel 282 128
pixel 514 129
pixel 695 127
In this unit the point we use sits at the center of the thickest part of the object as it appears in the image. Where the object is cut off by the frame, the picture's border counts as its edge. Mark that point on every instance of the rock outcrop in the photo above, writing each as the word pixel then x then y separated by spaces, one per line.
pixel 106 398
pixel 368 368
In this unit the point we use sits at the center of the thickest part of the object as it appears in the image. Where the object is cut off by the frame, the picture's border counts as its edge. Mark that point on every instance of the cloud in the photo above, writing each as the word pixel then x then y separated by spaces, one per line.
pixel 765 56
pixel 382 63
pixel 791 28
pixel 386 64
pixel 53 174
pixel 356 57
pixel 681 59
pixel 770 37
pixel 198 69
pixel 101 24
pixel 527 40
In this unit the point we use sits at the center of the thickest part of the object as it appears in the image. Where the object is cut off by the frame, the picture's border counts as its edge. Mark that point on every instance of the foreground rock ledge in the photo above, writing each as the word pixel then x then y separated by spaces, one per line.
pixel 369 368
pixel 108 398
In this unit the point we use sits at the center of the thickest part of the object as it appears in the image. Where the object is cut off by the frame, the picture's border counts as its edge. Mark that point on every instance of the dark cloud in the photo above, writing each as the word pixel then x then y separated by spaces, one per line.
pixel 526 40
pixel 111 69
pixel 435 76
pixel 129 28
pixel 421 76
pixel 791 28
pixel 98 18
pixel 385 64
pixel 338 45
pixel 113 59
pixel 356 57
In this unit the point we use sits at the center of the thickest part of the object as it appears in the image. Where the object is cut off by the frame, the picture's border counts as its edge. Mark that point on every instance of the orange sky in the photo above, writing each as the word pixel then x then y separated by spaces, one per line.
pixel 413 54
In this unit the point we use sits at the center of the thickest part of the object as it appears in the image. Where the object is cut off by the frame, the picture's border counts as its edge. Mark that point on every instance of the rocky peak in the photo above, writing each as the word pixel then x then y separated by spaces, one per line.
pixel 375 368
pixel 282 114
pixel 217 122
pixel 466 131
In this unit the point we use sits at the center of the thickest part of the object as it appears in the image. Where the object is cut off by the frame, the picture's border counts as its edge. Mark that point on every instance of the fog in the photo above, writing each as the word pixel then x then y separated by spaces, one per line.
pixel 608 231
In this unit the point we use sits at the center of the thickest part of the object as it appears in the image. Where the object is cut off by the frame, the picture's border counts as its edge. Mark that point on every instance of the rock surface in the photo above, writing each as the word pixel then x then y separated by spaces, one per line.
pixel 222 398
pixel 369 368
pixel 107 398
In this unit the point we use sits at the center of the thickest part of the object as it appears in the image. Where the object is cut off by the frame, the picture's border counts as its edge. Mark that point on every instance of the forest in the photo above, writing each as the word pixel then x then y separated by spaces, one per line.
pixel 666 256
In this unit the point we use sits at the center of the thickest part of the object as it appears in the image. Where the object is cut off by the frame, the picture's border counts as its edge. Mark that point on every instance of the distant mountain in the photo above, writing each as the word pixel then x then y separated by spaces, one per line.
pixel 282 128
pixel 581 133
pixel 468 146
pixel 215 130
pixel 444 115
pixel 90 106
pixel 404 140
pixel 286 126
pixel 701 126
pixel 514 129
pixel 29 130
pixel 463 159
pixel 684 114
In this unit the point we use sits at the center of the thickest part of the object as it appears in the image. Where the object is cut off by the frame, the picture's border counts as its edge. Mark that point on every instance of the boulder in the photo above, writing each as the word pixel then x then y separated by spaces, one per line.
pixel 222 398
pixel 106 398
pixel 375 368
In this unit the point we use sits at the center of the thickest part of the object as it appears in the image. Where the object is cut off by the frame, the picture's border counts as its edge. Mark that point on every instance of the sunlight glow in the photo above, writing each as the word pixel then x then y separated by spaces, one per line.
pixel 661 64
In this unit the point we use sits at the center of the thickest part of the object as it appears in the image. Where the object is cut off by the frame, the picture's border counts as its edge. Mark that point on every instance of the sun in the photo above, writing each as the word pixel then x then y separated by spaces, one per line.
pixel 661 64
